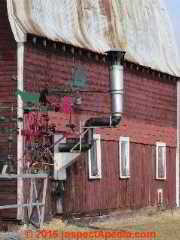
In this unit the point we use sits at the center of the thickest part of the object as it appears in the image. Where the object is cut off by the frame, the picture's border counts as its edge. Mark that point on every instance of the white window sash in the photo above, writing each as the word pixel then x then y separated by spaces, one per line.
pixel 160 144
pixel 97 138
pixel 124 139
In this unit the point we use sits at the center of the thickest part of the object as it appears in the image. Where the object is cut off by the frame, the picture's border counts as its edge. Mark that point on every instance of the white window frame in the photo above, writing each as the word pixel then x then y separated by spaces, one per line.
pixel 161 144
pixel 96 137
pixel 124 139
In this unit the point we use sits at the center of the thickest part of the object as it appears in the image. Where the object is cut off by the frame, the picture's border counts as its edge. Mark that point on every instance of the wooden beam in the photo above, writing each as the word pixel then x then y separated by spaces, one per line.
pixel 43 201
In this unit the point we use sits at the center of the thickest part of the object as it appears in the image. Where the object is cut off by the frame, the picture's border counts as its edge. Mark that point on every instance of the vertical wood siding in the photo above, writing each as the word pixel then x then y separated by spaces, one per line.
pixel 148 100
pixel 7 73
pixel 8 188
pixel 83 195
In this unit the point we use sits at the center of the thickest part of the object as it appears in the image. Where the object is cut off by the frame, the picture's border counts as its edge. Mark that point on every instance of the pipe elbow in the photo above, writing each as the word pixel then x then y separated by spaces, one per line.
pixel 112 121
pixel 115 120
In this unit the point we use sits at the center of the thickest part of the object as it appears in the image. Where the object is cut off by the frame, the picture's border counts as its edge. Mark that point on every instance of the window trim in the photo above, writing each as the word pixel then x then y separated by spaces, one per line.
pixel 161 144
pixel 124 139
pixel 96 137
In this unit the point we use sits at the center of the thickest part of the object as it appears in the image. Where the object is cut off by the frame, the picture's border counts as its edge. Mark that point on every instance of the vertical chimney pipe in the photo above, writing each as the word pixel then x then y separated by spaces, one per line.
pixel 115 60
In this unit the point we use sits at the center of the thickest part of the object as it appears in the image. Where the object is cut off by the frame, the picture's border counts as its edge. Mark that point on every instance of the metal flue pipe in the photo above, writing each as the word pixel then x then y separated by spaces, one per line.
pixel 115 60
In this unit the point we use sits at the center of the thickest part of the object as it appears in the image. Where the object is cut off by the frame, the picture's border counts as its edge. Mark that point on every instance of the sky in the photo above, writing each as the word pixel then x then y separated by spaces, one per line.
pixel 174 13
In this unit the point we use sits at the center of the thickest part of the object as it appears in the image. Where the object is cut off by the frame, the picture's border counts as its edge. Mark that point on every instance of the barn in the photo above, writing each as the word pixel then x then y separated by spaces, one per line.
pixel 113 81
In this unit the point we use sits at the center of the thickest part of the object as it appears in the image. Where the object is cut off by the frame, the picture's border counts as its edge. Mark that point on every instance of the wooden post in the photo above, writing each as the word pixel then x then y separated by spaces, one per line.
pixel 20 86
pixel 30 199
pixel 43 201
pixel 36 201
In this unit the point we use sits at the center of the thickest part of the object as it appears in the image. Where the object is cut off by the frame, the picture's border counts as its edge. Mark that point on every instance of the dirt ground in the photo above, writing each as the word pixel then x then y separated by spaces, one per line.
pixel 165 223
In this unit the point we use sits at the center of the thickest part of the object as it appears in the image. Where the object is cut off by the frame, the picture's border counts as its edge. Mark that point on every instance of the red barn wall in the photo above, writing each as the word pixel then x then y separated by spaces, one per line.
pixel 83 195
pixel 148 98
pixel 8 72
pixel 149 116
pixel 8 195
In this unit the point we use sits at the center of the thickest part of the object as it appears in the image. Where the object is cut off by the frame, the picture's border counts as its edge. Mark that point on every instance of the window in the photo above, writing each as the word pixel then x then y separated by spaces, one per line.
pixel 124 157
pixel 95 158
pixel 160 160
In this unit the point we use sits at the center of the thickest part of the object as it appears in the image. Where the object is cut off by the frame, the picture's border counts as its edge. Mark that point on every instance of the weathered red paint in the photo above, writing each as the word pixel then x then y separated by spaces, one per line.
pixel 140 190
pixel 8 71
pixel 7 66
pixel 8 195
pixel 149 116
pixel 147 97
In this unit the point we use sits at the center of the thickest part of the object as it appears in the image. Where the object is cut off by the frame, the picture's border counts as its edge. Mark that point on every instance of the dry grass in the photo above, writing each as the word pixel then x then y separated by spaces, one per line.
pixel 166 223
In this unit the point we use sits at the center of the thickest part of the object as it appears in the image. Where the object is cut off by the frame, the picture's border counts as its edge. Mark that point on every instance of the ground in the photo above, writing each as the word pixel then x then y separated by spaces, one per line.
pixel 166 223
